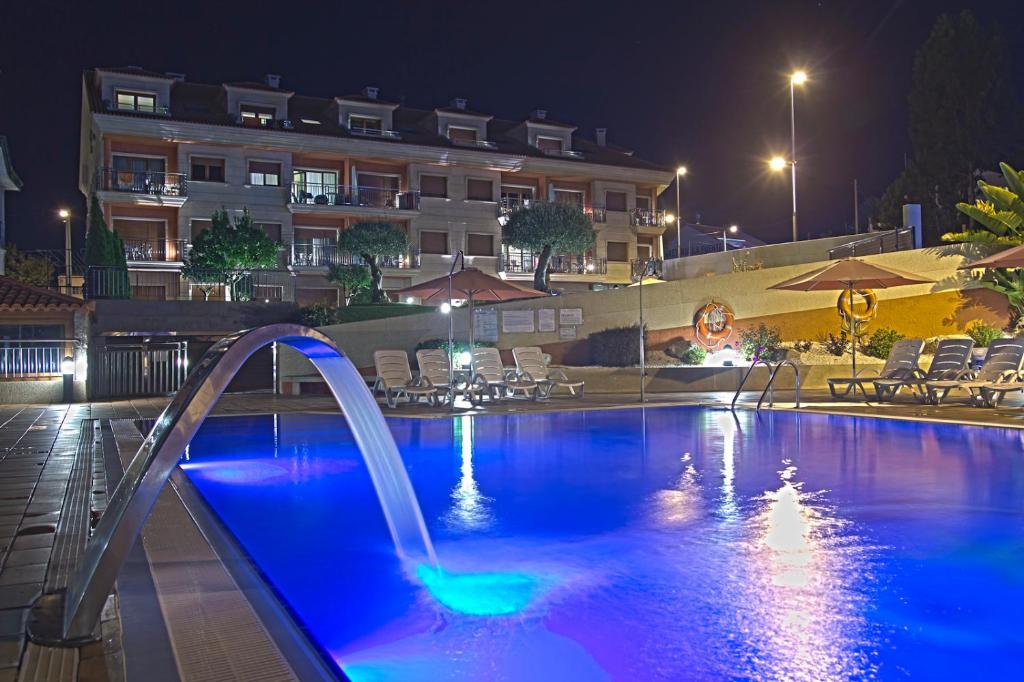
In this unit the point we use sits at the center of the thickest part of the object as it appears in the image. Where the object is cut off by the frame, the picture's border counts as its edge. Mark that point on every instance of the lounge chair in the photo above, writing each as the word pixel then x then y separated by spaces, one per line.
pixel 394 378
pixel 999 374
pixel 900 364
pixel 530 364
pixel 434 366
pixel 952 357
pixel 491 381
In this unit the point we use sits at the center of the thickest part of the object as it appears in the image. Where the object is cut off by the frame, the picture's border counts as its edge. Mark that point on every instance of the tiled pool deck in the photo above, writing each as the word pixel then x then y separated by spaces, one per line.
pixel 53 483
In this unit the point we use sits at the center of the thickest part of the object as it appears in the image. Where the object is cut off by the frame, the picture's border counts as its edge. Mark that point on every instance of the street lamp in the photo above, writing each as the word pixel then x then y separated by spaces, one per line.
pixel 649 267
pixel 680 173
pixel 795 79
pixel 777 163
pixel 65 215
pixel 732 229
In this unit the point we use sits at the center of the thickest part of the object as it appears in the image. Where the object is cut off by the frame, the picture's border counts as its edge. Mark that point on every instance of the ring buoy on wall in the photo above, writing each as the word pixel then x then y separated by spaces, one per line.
pixel 853 320
pixel 713 324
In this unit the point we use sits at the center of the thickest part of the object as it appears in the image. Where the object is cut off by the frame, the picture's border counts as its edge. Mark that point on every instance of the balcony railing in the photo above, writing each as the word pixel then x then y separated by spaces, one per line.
pixel 646 267
pixel 143 182
pixel 155 250
pixel 33 359
pixel 314 255
pixel 646 217
pixel 596 212
pixel 376 132
pixel 342 195
pixel 137 108
pixel 524 263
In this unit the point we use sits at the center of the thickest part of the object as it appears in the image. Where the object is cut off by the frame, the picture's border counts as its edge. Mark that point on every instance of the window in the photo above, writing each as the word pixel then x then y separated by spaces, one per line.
pixel 199 225
pixel 479 245
pixel 314 186
pixel 136 101
pixel 433 186
pixel 569 196
pixel 207 169
pixel 24 332
pixel 615 201
pixel 365 125
pixel 618 252
pixel 549 145
pixel 141 174
pixel 257 117
pixel 378 189
pixel 462 135
pixel 433 242
pixel 479 190
pixel 515 197
pixel 267 173
pixel 643 202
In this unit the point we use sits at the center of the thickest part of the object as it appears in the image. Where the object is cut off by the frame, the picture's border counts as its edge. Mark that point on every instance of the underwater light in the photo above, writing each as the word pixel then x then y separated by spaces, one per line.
pixel 479 594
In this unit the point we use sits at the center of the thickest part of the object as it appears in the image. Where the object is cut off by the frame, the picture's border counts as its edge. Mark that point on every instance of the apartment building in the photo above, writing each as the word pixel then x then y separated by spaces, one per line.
pixel 163 153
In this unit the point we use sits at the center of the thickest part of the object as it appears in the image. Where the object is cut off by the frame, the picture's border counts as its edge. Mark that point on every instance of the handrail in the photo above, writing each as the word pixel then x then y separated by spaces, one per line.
pixel 768 390
pixel 875 238
pixel 755 363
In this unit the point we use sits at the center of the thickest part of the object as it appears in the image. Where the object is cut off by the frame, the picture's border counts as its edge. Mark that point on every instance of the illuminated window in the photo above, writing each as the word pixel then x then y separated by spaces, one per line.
pixel 266 173
pixel 365 125
pixel 136 101
pixel 257 117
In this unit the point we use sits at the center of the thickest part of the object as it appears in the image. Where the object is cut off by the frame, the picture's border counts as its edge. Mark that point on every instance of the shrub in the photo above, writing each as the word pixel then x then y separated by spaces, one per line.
pixel 316 315
pixel 762 342
pixel 618 347
pixel 803 346
pixel 881 342
pixel 694 355
pixel 458 347
pixel 983 334
pixel 837 345
pixel 678 349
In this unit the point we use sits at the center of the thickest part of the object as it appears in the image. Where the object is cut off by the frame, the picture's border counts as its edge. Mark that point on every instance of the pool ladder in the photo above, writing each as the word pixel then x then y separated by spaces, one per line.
pixel 769 389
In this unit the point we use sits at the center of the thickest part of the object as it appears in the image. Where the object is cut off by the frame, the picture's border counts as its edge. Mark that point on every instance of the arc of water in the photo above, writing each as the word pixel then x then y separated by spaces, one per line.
pixel 72 615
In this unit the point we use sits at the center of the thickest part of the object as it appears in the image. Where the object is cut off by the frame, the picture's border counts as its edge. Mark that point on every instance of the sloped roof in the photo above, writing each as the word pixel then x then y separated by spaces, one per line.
pixel 18 296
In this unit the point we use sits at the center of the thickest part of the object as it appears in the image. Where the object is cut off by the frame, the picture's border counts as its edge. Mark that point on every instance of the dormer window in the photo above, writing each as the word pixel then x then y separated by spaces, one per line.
pixel 136 101
pixel 365 125
pixel 549 145
pixel 461 135
pixel 257 117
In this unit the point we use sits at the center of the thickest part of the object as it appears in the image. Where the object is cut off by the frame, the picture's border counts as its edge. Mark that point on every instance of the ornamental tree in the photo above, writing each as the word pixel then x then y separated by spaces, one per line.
pixel 29 269
pixel 547 228
pixel 107 268
pixel 351 279
pixel 226 252
pixel 371 241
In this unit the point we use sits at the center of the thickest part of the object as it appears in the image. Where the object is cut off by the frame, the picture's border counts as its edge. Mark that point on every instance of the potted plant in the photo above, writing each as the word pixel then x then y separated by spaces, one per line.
pixel 982 334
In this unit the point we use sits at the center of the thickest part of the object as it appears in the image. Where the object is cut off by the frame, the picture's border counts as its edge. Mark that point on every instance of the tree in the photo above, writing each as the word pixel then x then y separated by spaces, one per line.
pixel 36 271
pixel 961 120
pixel 107 268
pixel 372 241
pixel 351 279
pixel 1000 217
pixel 225 253
pixel 547 228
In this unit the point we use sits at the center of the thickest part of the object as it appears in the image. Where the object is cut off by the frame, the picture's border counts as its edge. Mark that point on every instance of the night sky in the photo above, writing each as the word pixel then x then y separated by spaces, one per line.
pixel 703 84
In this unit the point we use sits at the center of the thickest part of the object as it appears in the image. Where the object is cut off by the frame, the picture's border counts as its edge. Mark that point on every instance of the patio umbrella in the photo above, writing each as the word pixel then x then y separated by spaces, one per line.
pixel 1010 258
pixel 849 274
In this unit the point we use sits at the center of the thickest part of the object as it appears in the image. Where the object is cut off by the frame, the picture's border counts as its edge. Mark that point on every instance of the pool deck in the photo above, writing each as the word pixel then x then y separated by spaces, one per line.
pixel 53 481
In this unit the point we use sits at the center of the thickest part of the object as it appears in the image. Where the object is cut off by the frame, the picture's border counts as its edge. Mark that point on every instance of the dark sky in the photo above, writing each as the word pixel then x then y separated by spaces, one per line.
pixel 700 83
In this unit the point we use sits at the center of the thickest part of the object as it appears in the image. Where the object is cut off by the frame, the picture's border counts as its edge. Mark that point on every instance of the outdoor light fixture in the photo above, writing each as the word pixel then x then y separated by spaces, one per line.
pixel 681 171
pixel 446 307
pixel 465 358
pixel 734 229
pixel 64 214
pixel 777 163
pixel 798 77
pixel 67 366
pixel 669 218
pixel 410 300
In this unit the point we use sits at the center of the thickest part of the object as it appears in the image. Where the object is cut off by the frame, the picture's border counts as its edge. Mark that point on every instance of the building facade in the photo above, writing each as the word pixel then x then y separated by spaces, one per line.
pixel 163 153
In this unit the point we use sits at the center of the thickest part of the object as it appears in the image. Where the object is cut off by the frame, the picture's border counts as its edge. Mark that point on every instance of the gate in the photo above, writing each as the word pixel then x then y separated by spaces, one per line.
pixel 142 369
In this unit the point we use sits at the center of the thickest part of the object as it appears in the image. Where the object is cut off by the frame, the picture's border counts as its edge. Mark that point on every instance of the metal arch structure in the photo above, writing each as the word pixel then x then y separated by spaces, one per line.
pixel 69 617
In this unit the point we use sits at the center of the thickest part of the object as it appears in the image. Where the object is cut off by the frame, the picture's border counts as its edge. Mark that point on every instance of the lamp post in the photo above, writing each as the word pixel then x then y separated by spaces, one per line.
pixel 649 268
pixel 732 229
pixel 680 172
pixel 65 215
pixel 795 79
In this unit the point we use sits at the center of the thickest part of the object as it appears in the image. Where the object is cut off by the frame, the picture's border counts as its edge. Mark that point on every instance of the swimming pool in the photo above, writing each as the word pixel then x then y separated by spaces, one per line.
pixel 668 543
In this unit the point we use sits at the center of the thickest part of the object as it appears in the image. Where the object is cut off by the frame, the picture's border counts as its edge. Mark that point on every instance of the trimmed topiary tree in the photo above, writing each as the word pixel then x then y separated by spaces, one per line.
pixel 226 252
pixel 107 273
pixel 372 241
pixel 546 229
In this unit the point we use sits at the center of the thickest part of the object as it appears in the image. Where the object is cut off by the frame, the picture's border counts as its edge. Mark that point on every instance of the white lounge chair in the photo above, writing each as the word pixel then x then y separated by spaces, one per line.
pixel 530 363
pixel 952 357
pixel 491 381
pixel 900 364
pixel 394 378
pixel 435 366
pixel 999 374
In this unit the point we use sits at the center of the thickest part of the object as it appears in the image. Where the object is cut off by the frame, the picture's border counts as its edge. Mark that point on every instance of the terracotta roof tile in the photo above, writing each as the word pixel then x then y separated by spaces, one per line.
pixel 15 295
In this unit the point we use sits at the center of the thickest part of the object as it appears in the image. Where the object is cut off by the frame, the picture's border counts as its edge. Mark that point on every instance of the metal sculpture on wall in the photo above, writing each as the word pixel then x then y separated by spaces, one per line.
pixel 713 325
pixel 854 321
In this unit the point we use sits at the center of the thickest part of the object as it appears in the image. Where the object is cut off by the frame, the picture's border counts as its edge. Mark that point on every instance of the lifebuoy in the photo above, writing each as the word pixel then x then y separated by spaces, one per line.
pixel 847 313
pixel 713 323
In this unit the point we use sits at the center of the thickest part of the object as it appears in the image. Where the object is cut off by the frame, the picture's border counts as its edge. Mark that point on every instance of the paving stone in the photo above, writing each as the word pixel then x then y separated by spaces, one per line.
pixel 10 652
pixel 24 557
pixel 19 575
pixel 33 541
pixel 12 622
pixel 14 596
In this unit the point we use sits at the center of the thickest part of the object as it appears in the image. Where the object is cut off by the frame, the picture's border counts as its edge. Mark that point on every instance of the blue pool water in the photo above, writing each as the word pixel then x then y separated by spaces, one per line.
pixel 658 544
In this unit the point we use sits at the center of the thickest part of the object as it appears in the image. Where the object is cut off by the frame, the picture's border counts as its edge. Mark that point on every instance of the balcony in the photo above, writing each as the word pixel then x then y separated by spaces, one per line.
pixel 368 200
pixel 595 212
pixel 138 108
pixel 646 267
pixel 473 144
pixel 142 187
pixel 526 263
pixel 376 132
pixel 304 254
pixel 646 217
pixel 155 250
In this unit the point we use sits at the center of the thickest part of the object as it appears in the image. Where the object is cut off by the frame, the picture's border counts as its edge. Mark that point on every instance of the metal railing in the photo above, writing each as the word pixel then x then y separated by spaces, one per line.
pixel 899 239
pixel 155 250
pixel 138 108
pixel 33 358
pixel 313 255
pixel 526 263
pixel 376 132
pixel 141 369
pixel 769 389
pixel 646 217
pixel 640 267
pixel 213 285
pixel 318 194
pixel 143 182
pixel 596 212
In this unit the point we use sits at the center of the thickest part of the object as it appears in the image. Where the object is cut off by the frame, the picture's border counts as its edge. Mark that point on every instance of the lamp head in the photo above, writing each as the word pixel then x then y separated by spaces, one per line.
pixel 681 171
pixel 446 307
pixel 798 77
pixel 777 163
pixel 669 218
pixel 734 229
pixel 64 214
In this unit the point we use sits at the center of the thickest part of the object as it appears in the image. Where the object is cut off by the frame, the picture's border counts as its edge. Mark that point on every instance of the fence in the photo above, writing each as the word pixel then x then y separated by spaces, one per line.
pixel 881 242
pixel 34 359
pixel 146 369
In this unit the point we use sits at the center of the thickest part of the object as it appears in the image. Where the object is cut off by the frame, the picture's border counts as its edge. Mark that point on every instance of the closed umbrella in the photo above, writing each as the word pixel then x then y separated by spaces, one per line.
pixel 849 274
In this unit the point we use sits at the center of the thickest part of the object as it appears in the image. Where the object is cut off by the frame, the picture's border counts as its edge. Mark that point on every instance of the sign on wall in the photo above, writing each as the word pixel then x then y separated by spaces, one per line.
pixel 485 324
pixel 567 333
pixel 546 320
pixel 517 321
pixel 570 316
